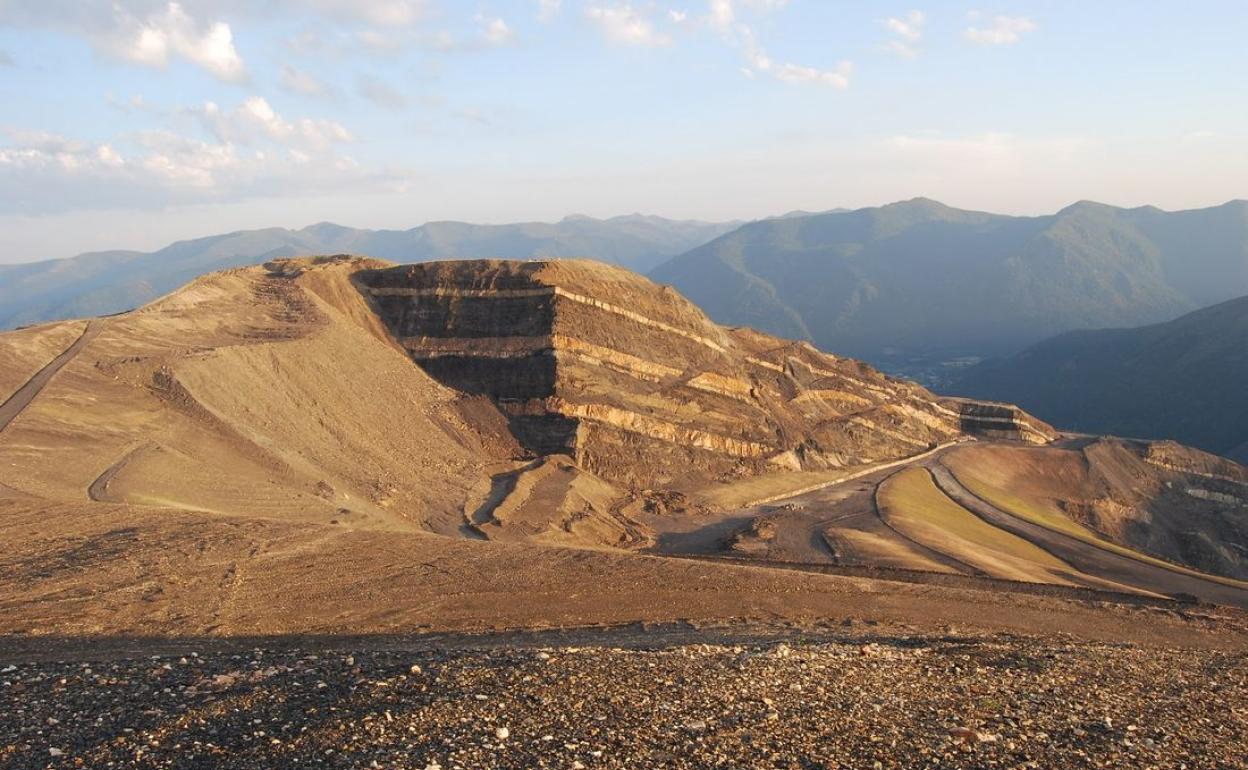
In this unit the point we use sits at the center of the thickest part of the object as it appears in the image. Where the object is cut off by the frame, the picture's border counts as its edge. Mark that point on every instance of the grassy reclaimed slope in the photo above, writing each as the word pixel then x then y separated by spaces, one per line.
pixel 911 503
pixel 1038 513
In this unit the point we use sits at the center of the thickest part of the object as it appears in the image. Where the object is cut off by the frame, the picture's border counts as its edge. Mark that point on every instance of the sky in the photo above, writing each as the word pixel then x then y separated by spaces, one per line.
pixel 134 123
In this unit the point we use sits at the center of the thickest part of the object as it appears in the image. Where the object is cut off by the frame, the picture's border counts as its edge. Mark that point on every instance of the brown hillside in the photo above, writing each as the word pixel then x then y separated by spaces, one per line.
pixel 322 445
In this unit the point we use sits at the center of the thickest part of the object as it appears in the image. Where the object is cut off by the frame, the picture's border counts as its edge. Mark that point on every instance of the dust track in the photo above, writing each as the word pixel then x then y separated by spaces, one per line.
pixel 24 395
pixel 98 490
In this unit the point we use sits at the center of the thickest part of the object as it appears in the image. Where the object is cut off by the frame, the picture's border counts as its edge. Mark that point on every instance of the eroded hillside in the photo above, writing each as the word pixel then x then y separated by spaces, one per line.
pixel 322 444
pixel 637 385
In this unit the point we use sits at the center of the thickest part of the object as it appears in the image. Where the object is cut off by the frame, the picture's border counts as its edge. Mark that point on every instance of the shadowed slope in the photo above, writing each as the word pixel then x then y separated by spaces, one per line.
pixel 911 284
pixel 1183 380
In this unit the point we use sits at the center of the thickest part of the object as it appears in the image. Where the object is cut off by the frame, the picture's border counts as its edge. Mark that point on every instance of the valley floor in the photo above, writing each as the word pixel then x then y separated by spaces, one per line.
pixel 854 697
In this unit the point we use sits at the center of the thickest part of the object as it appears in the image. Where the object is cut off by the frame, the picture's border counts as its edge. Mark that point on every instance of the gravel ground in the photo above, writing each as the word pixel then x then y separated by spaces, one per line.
pixel 909 702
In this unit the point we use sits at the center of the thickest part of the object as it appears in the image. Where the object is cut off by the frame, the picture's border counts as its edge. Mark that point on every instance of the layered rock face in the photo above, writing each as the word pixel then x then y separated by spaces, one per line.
pixel 992 419
pixel 638 386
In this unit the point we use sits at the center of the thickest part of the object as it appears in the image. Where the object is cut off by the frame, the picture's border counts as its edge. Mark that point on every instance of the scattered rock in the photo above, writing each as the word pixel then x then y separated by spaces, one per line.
pixel 956 704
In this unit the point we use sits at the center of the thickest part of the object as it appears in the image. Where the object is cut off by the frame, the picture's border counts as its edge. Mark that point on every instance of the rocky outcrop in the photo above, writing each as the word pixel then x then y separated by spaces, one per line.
pixel 637 385
pixel 992 419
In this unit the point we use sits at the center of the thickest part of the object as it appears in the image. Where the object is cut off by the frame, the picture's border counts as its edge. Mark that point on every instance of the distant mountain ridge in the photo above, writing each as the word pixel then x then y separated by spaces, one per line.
pixel 1186 380
pixel 106 282
pixel 919 279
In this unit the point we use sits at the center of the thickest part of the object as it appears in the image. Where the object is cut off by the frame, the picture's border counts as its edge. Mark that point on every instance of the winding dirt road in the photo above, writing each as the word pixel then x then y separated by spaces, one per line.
pixel 24 395
pixel 1087 557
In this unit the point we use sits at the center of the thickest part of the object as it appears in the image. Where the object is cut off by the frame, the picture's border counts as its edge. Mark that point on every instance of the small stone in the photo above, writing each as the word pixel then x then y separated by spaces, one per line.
pixel 502 733
pixel 55 753
pixel 415 669
pixel 964 734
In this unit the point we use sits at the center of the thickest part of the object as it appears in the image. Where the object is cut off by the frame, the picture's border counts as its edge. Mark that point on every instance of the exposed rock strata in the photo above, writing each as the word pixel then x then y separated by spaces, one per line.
pixel 643 389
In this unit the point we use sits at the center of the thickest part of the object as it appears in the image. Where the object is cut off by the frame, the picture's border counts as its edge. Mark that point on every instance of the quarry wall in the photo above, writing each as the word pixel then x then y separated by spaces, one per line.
pixel 637 385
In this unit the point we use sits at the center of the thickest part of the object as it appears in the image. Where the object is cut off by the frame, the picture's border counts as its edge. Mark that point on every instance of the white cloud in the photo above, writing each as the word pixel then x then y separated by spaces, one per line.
pixel 255 119
pixel 907 32
pixel 910 28
pixel 494 30
pixel 380 13
pixel 154 32
pixel 1004 30
pixel 548 9
pixel 757 61
pixel 626 25
pixel 796 73
pixel 722 15
pixel 43 173
pixel 297 81
pixel 6 60
pixel 173 32
pixel 143 32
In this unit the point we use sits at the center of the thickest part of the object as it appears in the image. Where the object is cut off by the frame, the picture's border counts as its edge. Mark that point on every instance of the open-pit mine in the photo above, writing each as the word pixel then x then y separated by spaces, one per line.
pixel 441 455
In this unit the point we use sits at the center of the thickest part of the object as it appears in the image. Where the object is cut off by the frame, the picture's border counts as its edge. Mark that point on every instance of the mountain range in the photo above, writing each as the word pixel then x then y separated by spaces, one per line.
pixel 112 281
pixel 1184 379
pixel 914 282
pixel 920 289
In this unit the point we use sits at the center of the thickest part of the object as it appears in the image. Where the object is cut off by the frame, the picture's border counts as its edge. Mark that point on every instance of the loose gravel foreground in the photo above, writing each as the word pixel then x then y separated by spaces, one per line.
pixel 907 702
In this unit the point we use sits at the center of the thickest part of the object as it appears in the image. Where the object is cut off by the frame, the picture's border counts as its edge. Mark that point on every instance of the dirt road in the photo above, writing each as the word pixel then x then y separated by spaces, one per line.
pixel 1089 558
pixel 24 395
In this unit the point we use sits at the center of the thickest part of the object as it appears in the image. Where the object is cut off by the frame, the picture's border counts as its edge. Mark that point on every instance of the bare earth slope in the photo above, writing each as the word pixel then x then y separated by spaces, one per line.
pixel 258 453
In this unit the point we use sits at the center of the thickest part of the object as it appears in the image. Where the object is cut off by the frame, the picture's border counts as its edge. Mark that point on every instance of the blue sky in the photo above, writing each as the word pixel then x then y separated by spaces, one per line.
pixel 131 123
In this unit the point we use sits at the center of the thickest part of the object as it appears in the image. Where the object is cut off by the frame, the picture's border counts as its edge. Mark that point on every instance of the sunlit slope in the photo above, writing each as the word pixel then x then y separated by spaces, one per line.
pixel 910 503
pixel 249 393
